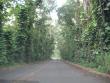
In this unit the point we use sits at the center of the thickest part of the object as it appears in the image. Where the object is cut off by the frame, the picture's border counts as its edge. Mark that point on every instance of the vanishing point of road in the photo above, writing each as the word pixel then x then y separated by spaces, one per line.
pixel 50 72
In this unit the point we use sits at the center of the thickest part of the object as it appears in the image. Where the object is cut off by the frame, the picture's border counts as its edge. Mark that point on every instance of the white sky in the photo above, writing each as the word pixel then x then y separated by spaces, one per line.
pixel 60 2
pixel 54 17
pixel 53 14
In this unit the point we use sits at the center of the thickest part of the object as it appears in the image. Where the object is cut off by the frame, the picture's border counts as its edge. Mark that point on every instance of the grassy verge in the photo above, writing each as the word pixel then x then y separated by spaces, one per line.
pixel 87 68
pixel 11 66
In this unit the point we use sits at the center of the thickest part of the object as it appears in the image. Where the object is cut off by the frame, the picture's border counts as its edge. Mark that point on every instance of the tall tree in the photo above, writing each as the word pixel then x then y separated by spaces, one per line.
pixel 3 58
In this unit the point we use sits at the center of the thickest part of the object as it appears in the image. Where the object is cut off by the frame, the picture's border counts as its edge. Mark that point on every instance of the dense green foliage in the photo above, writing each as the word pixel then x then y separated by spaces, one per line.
pixel 86 33
pixel 24 32
pixel 3 58
pixel 82 34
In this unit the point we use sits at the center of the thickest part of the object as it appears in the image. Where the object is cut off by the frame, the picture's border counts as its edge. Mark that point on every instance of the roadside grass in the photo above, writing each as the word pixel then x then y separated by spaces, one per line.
pixel 88 68
pixel 94 66
pixel 11 66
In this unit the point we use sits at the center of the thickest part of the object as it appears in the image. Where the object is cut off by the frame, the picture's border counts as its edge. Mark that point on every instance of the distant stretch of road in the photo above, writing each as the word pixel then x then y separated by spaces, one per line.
pixel 50 72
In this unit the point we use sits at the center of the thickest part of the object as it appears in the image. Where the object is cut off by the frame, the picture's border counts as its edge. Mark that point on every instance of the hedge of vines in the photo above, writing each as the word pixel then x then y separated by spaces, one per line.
pixel 24 37
pixel 86 34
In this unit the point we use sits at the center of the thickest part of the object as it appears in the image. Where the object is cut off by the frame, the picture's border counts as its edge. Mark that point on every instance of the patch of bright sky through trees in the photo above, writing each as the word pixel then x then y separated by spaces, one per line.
pixel 53 14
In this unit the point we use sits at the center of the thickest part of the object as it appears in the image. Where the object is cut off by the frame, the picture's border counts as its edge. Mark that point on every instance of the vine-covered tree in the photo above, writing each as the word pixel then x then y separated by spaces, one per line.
pixel 3 58
pixel 86 32
pixel 24 37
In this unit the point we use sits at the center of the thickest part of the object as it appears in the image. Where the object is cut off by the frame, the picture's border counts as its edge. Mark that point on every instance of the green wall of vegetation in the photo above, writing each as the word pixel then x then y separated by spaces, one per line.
pixel 24 34
pixel 86 33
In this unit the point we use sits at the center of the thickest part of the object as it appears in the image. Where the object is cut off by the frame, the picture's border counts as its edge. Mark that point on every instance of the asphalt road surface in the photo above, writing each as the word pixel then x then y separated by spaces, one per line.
pixel 50 72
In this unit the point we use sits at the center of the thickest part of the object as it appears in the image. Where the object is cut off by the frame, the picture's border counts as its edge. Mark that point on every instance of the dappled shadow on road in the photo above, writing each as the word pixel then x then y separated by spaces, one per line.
pixel 18 81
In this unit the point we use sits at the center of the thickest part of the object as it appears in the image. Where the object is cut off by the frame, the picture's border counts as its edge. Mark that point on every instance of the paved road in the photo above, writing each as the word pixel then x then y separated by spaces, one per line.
pixel 50 72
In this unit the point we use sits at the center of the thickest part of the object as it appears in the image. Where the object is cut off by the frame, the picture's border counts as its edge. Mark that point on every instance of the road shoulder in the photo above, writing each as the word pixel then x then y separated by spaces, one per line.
pixel 89 70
